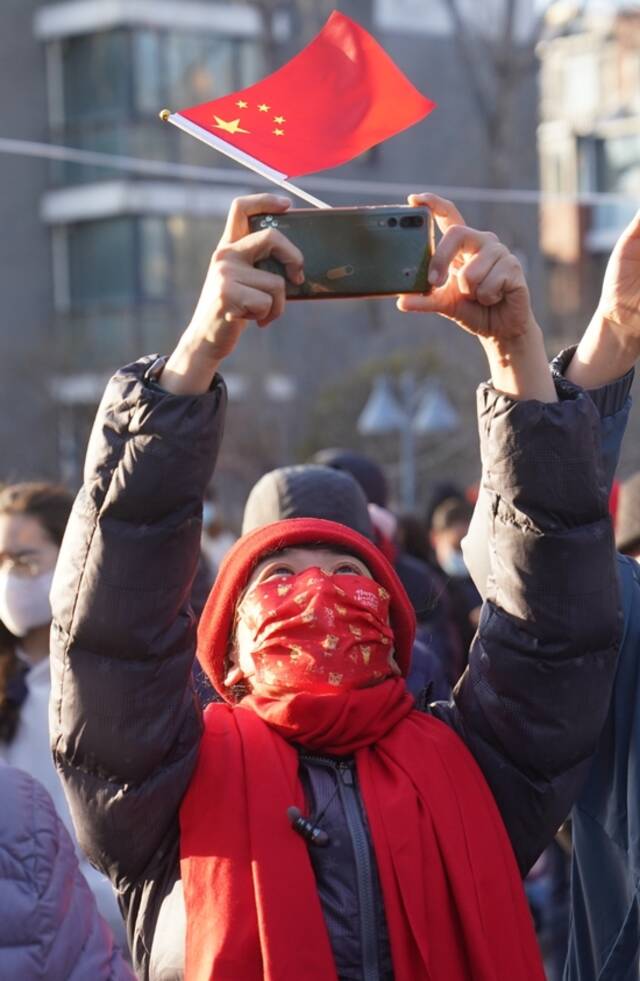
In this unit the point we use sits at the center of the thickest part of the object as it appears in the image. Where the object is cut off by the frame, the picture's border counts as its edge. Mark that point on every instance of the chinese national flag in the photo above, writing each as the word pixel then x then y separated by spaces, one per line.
pixel 341 95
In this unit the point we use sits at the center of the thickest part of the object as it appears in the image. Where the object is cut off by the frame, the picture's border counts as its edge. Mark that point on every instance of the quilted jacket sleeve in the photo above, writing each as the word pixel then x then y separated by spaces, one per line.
pixel 613 402
pixel 49 924
pixel 534 697
pixel 125 725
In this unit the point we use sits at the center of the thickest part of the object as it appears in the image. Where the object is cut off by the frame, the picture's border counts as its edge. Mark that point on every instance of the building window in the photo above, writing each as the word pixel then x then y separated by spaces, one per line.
pixel 621 164
pixel 191 242
pixel 155 269
pixel 114 83
pixel 126 74
pixel 102 262
pixel 198 69
pixel 148 74
pixel 610 165
pixel 96 77
pixel 136 261
pixel 581 85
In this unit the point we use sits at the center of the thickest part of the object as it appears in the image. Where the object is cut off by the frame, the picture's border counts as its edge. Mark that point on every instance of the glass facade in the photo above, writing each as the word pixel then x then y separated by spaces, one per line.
pixel 130 280
pixel 96 74
pixel 127 284
pixel 617 171
pixel 101 262
pixel 136 259
pixel 621 164
pixel 115 82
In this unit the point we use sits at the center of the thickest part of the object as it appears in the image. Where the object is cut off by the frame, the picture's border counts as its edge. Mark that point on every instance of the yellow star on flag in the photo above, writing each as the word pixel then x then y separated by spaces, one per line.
pixel 279 119
pixel 241 104
pixel 278 132
pixel 264 107
pixel 229 126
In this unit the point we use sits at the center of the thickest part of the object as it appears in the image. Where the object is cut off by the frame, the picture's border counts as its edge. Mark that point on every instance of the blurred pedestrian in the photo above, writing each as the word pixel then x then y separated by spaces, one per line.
pixel 449 525
pixel 411 536
pixel 33 517
pixel 443 490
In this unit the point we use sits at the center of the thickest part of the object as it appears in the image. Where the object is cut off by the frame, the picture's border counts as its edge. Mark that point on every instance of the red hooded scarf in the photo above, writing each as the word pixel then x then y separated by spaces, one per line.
pixel 453 898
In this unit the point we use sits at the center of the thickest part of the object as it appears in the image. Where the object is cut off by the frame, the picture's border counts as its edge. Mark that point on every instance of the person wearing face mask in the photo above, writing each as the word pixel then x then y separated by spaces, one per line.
pixel 449 525
pixel 33 517
pixel 316 823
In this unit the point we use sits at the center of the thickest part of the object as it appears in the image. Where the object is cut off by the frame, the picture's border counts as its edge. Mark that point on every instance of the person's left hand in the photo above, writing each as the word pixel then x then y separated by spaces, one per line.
pixel 620 298
pixel 477 282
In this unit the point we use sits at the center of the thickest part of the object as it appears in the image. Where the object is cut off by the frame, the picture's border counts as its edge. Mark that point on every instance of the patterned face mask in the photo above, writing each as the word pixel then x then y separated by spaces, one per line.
pixel 319 633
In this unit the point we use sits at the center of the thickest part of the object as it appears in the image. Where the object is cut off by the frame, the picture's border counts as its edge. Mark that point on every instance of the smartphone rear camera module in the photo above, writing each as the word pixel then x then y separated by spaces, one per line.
pixel 412 221
pixel 392 222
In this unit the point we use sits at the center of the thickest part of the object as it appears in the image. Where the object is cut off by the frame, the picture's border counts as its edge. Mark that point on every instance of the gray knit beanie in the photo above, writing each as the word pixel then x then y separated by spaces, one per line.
pixel 307 491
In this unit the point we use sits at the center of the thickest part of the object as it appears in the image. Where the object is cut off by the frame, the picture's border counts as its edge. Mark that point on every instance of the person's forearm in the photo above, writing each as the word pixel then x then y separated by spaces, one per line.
pixel 519 366
pixel 191 367
pixel 605 353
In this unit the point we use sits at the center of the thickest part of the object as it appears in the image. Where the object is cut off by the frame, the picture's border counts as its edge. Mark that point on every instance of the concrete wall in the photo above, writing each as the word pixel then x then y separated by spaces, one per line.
pixel 27 424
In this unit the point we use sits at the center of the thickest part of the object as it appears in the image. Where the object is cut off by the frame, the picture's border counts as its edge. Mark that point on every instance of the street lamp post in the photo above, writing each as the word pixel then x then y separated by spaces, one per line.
pixel 408 440
pixel 420 410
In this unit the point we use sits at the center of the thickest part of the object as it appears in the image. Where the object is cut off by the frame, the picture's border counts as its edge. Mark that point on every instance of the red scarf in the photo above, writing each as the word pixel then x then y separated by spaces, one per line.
pixel 454 901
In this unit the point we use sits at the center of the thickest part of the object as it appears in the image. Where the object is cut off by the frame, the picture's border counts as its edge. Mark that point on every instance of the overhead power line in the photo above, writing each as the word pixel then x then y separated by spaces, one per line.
pixel 230 176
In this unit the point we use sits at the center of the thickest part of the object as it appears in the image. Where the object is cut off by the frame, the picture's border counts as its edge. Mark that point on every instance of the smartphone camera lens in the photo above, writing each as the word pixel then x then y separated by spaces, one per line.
pixel 412 221
pixel 392 222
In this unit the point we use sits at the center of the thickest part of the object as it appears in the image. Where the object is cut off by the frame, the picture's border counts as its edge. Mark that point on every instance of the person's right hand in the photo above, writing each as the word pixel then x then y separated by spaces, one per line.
pixel 234 291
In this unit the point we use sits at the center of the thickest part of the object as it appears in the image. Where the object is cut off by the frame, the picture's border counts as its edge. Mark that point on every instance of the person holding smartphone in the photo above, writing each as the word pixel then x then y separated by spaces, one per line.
pixel 316 824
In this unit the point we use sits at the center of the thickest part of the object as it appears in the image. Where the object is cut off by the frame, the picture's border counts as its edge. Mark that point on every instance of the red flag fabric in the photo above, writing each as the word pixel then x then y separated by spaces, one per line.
pixel 339 96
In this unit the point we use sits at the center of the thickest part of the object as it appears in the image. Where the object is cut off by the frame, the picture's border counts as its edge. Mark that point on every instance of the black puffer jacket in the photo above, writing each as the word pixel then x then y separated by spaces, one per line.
pixel 125 722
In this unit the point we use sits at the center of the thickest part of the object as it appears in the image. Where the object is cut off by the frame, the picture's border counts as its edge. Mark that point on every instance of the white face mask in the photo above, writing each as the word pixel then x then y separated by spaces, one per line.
pixel 209 513
pixel 454 564
pixel 24 602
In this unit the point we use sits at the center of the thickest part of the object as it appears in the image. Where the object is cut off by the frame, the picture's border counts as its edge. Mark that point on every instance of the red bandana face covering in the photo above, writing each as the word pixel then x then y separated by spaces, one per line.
pixel 318 633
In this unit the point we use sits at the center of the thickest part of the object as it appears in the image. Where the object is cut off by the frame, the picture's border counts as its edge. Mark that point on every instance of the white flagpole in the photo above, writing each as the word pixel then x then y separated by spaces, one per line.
pixel 240 156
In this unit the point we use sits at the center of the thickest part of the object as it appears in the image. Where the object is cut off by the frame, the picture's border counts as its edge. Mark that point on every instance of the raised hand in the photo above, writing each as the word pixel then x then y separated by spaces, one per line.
pixel 480 285
pixel 610 345
pixel 620 297
pixel 234 293
pixel 476 281
pixel 234 290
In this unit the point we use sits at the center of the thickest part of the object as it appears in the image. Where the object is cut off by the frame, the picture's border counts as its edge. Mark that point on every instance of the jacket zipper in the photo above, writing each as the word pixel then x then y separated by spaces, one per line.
pixel 360 841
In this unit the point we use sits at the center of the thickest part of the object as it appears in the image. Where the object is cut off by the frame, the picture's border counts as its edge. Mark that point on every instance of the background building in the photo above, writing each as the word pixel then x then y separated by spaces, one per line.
pixel 589 142
pixel 103 264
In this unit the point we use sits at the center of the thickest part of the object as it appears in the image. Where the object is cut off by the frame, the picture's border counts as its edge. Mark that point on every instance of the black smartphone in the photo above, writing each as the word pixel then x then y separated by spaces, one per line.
pixel 355 252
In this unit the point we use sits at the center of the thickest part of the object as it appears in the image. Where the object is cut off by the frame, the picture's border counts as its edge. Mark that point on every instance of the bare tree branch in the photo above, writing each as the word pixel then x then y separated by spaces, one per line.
pixel 479 86
pixel 495 69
